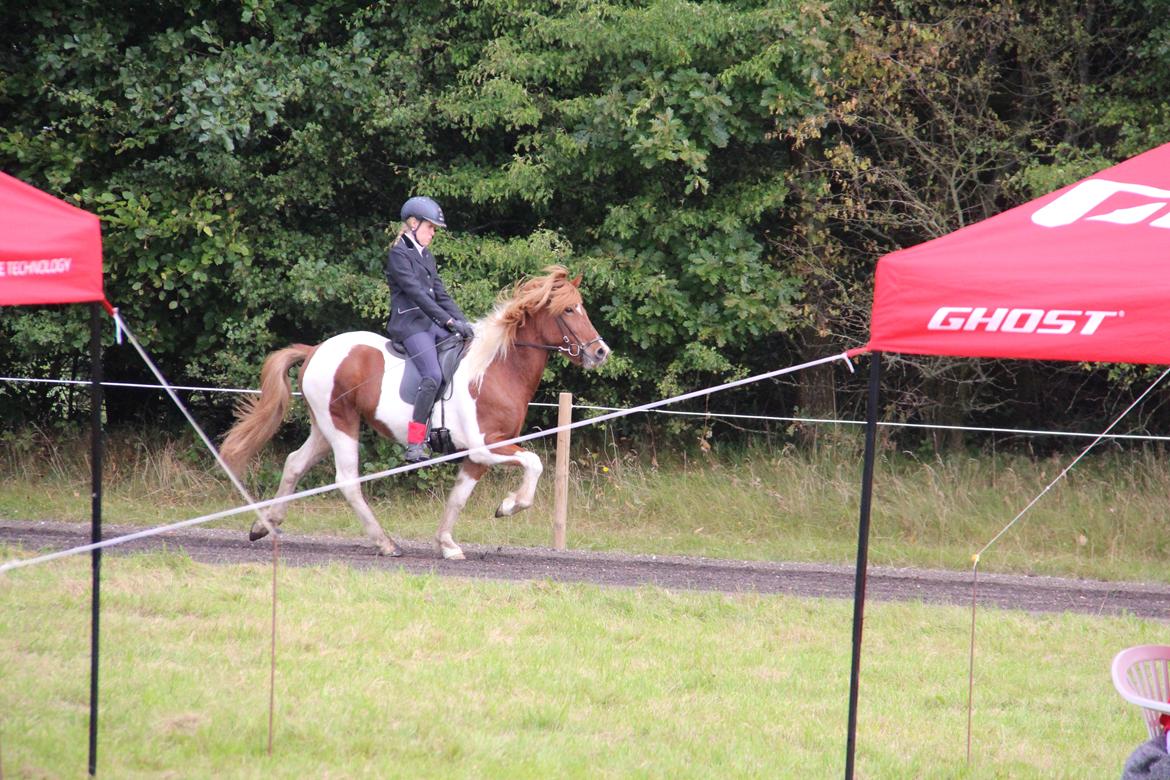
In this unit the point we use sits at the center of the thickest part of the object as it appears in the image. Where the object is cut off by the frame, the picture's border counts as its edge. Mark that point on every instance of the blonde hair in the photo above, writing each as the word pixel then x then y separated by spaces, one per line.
pixel 410 223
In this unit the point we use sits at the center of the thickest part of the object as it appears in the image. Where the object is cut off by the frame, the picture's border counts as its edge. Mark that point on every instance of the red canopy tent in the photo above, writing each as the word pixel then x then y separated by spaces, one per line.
pixel 51 252
pixel 1080 274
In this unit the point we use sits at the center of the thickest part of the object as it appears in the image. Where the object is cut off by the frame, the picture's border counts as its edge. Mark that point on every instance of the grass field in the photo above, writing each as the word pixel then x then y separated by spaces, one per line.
pixel 1106 521
pixel 392 675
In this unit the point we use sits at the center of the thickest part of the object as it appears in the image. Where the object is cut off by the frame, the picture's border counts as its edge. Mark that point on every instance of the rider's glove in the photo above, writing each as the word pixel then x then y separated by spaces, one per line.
pixel 462 328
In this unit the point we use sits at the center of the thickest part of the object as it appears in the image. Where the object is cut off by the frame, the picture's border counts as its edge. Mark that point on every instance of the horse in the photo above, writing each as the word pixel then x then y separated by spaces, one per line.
pixel 352 377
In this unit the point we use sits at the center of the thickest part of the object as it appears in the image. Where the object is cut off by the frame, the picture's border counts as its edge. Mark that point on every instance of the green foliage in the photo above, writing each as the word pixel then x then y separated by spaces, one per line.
pixel 943 114
pixel 248 163
pixel 724 173
pixel 653 145
pixel 229 159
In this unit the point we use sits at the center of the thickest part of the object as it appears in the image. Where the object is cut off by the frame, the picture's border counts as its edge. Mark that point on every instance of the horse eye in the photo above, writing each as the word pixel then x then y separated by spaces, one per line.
pixel 570 310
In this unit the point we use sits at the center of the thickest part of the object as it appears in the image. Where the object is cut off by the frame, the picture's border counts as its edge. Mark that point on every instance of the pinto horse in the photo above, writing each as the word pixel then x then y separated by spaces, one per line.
pixel 351 377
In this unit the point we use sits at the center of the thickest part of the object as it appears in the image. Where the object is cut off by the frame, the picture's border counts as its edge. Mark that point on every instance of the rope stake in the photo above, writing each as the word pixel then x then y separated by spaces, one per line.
pixel 272 667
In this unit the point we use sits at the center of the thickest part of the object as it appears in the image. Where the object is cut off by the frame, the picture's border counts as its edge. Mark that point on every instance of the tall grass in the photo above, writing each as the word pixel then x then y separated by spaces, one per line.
pixel 384 674
pixel 1107 520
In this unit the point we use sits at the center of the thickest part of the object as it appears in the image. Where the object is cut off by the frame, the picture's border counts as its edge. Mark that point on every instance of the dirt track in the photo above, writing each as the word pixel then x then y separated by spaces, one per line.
pixel 1036 594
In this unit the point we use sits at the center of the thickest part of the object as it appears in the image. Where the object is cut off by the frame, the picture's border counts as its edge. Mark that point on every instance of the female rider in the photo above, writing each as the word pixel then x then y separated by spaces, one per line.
pixel 421 311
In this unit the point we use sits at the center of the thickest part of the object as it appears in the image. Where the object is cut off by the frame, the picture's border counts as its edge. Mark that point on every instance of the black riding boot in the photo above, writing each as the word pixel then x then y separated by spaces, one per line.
pixel 416 437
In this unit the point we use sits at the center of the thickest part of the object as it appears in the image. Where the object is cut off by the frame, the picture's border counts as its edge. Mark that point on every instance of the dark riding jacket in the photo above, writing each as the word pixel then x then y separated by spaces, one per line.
pixel 418 298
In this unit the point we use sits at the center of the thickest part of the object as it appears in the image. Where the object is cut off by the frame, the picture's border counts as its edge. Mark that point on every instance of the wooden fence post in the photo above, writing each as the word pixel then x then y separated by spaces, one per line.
pixel 561 487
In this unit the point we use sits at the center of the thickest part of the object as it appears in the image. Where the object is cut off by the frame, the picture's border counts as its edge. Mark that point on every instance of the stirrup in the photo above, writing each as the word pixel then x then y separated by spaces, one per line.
pixel 415 453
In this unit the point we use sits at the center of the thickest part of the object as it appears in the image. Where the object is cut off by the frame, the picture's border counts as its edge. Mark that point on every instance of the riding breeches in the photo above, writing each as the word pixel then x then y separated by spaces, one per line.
pixel 423 353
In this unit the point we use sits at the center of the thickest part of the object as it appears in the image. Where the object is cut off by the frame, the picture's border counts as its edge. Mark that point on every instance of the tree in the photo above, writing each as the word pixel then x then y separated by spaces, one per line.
pixel 651 136
pixel 944 114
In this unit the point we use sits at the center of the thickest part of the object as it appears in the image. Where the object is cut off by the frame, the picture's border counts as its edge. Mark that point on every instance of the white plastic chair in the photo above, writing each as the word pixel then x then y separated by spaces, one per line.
pixel 1142 676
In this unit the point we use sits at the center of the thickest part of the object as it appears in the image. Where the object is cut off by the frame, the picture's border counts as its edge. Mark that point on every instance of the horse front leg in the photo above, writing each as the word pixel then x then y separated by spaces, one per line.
pixel 512 455
pixel 469 476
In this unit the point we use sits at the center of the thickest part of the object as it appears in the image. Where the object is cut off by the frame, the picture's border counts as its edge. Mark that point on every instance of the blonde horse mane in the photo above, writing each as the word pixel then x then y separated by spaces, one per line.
pixel 496 333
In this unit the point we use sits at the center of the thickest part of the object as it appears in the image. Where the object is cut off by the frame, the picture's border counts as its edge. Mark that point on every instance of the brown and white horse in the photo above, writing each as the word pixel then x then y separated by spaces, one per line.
pixel 351 377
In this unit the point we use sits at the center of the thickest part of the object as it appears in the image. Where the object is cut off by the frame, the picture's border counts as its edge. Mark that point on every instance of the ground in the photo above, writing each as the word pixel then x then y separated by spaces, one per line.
pixel 1035 594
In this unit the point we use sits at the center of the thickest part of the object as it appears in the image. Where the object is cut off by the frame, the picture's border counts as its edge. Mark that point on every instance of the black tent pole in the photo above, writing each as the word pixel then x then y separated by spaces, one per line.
pixel 95 403
pixel 875 375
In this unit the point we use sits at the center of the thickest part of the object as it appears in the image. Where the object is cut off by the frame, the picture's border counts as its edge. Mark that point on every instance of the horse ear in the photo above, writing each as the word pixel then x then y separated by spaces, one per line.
pixel 576 282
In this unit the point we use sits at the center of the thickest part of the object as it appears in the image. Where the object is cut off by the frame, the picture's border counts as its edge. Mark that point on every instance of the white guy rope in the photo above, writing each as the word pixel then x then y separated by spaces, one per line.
pixel 134 385
pixel 1104 434
pixel 705 415
pixel 16 564
pixel 925 426
pixel 976 557
pixel 170 391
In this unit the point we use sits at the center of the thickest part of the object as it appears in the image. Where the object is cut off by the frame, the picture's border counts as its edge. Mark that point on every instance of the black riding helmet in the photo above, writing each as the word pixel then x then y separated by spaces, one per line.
pixel 422 207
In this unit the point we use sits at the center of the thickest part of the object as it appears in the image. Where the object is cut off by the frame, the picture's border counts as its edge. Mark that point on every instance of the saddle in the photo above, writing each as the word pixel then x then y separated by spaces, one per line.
pixel 451 352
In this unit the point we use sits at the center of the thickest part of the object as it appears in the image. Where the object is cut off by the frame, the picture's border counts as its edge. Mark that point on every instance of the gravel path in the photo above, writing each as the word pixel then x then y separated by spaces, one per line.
pixel 1034 594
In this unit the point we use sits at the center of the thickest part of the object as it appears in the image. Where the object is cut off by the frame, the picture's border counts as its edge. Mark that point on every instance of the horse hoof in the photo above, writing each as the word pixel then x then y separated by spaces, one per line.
pixel 258 532
pixel 449 551
pixel 507 508
pixel 390 551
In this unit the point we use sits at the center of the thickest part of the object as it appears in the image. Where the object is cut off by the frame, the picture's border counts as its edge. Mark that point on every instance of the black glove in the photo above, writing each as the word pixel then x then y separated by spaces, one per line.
pixel 462 328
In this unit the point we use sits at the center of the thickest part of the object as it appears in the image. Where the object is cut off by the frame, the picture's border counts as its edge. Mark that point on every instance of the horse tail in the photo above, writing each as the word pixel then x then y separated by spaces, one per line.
pixel 258 419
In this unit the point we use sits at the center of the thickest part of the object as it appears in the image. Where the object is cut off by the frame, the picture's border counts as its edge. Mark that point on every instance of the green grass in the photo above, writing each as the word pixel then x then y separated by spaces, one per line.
pixel 1106 521
pixel 384 674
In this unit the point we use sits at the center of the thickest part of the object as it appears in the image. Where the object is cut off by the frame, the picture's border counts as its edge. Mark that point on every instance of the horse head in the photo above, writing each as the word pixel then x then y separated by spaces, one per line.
pixel 548 312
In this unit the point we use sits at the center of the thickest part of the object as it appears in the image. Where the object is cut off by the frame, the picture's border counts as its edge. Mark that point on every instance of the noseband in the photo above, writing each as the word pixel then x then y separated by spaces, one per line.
pixel 570 346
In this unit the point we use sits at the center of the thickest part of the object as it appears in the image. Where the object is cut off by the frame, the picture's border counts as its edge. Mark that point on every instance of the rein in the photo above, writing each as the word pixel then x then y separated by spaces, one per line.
pixel 571 347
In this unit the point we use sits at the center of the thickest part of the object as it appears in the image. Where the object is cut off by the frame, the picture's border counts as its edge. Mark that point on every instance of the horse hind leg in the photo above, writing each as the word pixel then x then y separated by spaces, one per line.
pixel 295 465
pixel 345 454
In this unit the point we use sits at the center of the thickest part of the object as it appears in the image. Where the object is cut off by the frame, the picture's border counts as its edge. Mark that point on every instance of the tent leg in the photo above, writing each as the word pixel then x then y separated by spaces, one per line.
pixel 95 392
pixel 875 373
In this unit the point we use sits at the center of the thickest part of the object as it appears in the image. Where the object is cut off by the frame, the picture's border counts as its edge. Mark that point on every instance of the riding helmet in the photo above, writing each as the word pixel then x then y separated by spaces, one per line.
pixel 422 207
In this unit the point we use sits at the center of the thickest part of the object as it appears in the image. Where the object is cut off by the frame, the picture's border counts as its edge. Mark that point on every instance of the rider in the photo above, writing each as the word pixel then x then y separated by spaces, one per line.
pixel 421 311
